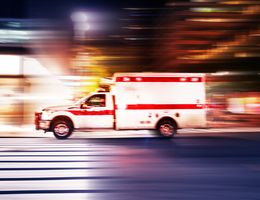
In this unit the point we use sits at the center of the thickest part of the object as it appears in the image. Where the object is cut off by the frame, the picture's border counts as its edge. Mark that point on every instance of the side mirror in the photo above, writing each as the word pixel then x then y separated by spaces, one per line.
pixel 84 106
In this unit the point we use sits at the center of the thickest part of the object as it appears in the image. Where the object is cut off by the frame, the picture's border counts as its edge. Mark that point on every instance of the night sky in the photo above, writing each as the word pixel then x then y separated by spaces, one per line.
pixel 62 8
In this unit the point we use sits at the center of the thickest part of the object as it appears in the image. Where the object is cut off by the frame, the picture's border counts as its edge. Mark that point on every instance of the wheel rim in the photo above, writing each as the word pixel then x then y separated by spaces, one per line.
pixel 166 129
pixel 61 129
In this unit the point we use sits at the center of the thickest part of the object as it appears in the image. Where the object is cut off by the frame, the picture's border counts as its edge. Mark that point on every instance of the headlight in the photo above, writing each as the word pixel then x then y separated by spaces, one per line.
pixel 46 115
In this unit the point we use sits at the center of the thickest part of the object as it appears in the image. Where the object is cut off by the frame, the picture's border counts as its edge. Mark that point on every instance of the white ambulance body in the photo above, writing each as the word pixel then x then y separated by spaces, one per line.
pixel 160 101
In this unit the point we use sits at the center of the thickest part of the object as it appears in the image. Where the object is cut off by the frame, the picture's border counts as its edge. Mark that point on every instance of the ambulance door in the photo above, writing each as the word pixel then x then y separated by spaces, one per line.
pixel 97 112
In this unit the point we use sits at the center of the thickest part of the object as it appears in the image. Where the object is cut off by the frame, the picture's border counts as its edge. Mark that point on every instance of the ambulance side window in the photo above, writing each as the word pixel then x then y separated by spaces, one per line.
pixel 98 100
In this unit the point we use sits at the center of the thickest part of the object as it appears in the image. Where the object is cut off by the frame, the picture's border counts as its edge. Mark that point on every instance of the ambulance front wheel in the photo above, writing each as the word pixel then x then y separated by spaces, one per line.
pixel 62 128
pixel 167 128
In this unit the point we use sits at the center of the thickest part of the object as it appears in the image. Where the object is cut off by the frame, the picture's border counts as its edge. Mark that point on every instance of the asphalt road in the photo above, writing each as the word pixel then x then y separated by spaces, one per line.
pixel 192 166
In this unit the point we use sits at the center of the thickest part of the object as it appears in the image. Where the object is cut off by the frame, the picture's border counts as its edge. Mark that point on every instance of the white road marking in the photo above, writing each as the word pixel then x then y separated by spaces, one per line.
pixel 56 173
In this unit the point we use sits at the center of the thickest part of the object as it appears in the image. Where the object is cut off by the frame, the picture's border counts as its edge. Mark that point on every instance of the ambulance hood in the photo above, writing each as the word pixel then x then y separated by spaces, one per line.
pixel 60 108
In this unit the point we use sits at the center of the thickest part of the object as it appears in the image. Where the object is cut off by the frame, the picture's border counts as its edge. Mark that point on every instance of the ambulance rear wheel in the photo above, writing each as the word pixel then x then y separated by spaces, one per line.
pixel 62 129
pixel 167 128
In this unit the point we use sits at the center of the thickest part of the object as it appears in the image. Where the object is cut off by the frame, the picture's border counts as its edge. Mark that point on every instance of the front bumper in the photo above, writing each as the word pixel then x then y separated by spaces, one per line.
pixel 45 125
pixel 41 124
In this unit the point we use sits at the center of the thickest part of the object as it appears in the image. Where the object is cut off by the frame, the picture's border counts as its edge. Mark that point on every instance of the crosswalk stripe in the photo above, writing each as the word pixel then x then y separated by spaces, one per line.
pixel 58 173
pixel 54 164
pixel 18 168
pixel 64 196
pixel 75 158
pixel 60 178
pixel 61 191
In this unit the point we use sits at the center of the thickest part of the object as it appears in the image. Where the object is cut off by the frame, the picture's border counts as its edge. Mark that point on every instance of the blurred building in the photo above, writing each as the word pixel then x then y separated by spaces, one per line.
pixel 32 53
pixel 210 36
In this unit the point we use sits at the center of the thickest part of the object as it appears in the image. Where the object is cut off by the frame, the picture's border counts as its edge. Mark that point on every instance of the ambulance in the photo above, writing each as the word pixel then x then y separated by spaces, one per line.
pixel 164 102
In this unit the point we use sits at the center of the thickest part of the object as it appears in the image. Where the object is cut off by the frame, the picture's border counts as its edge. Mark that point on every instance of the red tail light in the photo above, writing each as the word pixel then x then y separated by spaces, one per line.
pixel 37 118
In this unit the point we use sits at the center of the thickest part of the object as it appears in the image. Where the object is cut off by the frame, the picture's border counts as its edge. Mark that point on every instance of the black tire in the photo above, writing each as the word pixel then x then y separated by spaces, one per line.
pixel 62 129
pixel 167 128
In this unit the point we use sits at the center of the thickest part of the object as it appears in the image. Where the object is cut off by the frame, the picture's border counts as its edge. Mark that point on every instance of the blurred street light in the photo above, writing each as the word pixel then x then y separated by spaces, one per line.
pixel 220 73
pixel 80 24
pixel 79 16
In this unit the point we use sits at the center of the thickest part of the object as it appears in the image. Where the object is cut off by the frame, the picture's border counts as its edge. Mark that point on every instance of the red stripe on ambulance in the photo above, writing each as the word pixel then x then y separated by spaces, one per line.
pixel 159 79
pixel 86 112
pixel 164 106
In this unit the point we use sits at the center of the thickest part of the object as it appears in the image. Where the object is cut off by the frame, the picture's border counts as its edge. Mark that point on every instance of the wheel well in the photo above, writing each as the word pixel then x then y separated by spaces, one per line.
pixel 168 119
pixel 62 117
